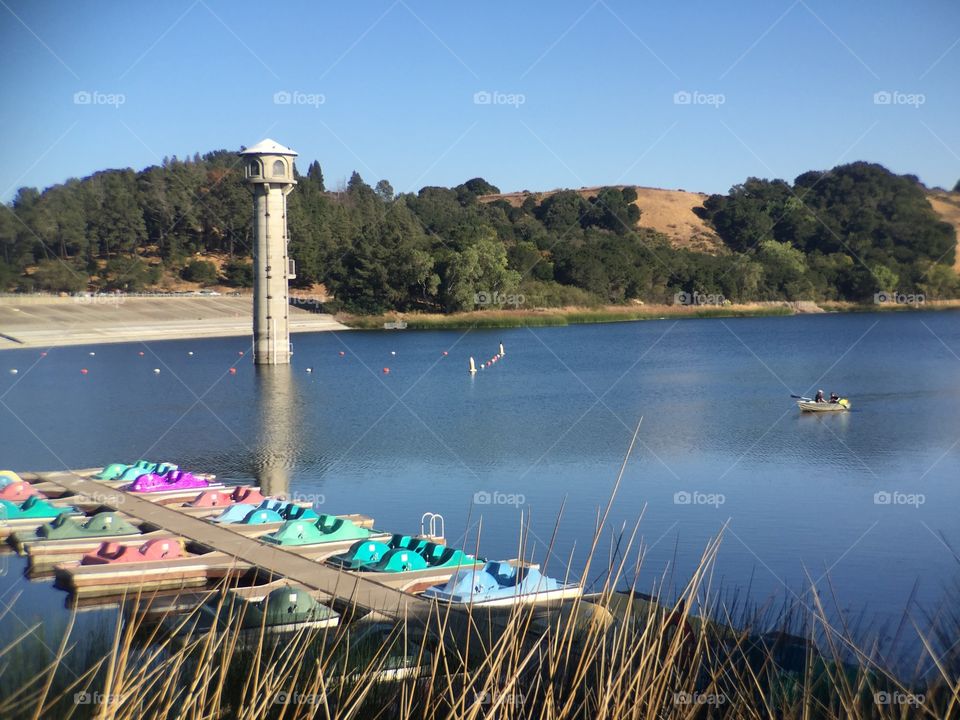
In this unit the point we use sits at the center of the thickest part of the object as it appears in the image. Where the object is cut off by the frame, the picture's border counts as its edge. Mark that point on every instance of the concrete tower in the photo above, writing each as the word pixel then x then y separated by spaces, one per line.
pixel 269 170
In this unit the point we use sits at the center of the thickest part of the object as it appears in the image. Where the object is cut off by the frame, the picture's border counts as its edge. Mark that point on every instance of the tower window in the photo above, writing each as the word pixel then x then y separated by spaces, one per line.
pixel 279 169
pixel 254 168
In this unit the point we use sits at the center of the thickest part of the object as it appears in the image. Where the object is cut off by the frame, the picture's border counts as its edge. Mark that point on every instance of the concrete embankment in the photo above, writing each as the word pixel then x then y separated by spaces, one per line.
pixel 45 321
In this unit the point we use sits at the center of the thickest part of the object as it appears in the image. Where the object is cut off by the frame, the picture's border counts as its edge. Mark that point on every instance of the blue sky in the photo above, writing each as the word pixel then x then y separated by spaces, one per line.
pixel 577 93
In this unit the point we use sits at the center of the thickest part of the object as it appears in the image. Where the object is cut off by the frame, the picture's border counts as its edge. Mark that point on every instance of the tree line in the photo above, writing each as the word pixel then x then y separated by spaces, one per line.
pixel 842 234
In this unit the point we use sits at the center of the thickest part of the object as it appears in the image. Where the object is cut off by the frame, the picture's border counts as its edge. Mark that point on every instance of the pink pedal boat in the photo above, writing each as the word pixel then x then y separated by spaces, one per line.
pixel 225 497
pixel 110 553
pixel 19 491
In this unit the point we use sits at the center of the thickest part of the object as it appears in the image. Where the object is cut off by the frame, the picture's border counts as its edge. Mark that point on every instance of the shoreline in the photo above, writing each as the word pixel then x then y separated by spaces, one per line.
pixel 32 321
pixel 560 317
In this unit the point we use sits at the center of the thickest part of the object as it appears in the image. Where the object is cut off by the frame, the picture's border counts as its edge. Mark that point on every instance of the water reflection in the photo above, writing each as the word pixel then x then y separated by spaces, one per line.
pixel 279 431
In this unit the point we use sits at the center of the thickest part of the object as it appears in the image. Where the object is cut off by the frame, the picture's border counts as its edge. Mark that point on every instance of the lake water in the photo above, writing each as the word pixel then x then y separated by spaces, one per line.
pixel 721 442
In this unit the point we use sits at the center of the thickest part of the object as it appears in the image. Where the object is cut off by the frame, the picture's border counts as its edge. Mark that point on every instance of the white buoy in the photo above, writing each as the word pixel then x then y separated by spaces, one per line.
pixel 473 366
pixel 309 370
pixel 92 354
pixel 13 371
pixel 190 352
pixel 156 371
pixel 393 352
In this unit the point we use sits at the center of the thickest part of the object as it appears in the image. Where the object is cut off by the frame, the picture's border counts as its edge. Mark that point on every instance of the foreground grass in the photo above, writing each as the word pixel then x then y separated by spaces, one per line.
pixel 613 655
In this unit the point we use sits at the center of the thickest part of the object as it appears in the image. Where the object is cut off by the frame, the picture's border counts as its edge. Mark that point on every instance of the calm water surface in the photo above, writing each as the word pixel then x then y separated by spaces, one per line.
pixel 547 427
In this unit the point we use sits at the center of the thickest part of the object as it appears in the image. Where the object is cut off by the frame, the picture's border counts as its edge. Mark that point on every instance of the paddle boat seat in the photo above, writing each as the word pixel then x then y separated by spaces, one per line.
pixel 158 549
pixel 326 529
pixel 19 492
pixel 65 527
pixel 32 507
pixel 364 553
pixel 399 560
pixel 439 556
pixel 174 480
pixel 9 476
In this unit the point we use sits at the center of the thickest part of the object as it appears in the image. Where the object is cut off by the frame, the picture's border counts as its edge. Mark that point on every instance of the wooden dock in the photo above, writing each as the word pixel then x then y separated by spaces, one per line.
pixel 355 590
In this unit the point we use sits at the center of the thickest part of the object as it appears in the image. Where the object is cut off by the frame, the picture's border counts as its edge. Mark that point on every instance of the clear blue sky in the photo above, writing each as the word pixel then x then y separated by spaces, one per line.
pixel 398 80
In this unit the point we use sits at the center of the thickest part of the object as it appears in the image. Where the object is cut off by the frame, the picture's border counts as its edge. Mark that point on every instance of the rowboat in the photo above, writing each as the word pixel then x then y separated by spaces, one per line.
pixel 808 405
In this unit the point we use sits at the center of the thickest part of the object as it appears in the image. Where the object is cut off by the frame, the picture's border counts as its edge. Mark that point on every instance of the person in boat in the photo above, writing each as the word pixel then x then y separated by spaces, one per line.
pixel 819 397
pixel 834 398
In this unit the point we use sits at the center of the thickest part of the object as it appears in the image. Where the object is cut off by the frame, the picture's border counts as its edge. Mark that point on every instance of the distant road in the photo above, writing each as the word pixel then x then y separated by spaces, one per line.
pixel 44 321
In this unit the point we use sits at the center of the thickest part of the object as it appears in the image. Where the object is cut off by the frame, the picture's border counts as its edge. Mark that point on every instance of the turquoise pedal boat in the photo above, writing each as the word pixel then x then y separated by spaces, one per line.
pixel 326 529
pixel 33 508
pixel 430 556
pixel 364 553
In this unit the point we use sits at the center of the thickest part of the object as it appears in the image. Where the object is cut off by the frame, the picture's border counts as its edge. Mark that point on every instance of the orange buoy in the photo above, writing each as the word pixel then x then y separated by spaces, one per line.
pixel 240 353
pixel 83 371
pixel 444 353
pixel 386 371
pixel 233 371
pixel 140 353
pixel 342 353
pixel 43 354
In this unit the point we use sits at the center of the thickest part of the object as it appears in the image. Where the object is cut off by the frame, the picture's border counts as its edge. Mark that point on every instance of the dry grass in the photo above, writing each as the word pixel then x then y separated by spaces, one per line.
pixel 559 316
pixel 670 212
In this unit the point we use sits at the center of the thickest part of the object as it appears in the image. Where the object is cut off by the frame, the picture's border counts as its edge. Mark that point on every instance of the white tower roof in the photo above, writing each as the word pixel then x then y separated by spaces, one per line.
pixel 268 147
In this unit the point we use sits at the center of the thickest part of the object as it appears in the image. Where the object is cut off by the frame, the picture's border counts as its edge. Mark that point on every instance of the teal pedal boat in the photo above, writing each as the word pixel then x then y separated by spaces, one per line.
pixel 115 471
pixel 364 553
pixel 430 556
pixel 33 508
pixel 326 529
pixel 103 524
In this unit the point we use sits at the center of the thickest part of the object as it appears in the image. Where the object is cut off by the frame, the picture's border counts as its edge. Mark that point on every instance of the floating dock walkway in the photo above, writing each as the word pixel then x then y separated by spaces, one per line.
pixel 236 549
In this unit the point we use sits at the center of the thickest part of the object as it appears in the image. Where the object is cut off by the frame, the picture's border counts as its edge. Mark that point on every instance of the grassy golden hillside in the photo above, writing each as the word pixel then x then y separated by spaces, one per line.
pixel 671 212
